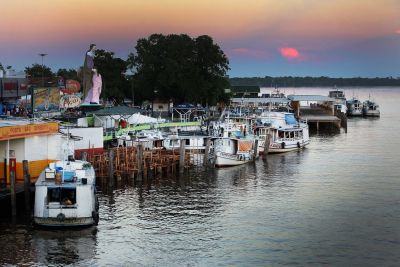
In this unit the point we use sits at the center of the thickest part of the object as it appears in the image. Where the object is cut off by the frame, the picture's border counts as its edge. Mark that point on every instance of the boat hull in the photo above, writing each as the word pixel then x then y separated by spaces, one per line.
pixel 372 113
pixel 226 160
pixel 65 222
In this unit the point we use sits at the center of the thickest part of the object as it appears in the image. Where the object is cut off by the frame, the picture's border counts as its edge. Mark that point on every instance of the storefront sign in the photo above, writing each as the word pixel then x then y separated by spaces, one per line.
pixel 22 131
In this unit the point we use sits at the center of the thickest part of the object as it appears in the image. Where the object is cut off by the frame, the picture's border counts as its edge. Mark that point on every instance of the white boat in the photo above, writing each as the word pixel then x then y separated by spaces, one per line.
pixel 371 109
pixel 150 139
pixel 230 151
pixel 194 141
pixel 354 107
pixel 65 195
pixel 232 145
pixel 340 100
pixel 284 131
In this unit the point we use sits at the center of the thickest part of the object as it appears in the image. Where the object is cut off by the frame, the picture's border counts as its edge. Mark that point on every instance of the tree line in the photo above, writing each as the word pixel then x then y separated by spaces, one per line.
pixel 323 81
pixel 166 67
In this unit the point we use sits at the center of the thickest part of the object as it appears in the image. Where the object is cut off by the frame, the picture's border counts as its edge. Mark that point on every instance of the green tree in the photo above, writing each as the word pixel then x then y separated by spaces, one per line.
pixel 37 71
pixel 112 70
pixel 68 74
pixel 179 67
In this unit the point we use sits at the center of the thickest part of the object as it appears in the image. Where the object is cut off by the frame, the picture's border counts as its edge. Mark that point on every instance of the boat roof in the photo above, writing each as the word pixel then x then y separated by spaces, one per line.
pixel 282 100
pixel 321 98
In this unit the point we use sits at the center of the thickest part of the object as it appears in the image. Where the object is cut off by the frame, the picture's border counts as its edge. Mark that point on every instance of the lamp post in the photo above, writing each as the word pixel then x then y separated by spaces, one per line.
pixel 42 55
pixel 152 104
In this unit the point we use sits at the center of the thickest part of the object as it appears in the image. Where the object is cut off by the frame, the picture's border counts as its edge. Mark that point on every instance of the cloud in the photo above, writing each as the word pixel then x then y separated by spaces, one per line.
pixel 290 53
pixel 249 53
pixel 398 31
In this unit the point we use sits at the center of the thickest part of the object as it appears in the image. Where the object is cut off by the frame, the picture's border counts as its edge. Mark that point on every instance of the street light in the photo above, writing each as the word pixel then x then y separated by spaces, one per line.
pixel 42 55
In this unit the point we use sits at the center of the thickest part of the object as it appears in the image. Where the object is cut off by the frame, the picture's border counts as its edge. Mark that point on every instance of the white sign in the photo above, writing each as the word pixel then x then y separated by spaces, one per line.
pixel 70 101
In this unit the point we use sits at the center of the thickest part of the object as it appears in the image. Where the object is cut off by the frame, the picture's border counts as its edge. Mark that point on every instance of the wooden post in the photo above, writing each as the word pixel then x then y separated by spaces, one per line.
pixel 317 125
pixel 139 158
pixel 111 167
pixel 255 149
pixel 206 151
pixel 267 142
pixel 5 171
pixel 13 195
pixel 27 185
pixel 182 156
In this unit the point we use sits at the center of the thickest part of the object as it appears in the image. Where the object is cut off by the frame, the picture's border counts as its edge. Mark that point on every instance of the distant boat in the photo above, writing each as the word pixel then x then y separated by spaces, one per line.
pixel 340 100
pixel 65 195
pixel 354 107
pixel 371 109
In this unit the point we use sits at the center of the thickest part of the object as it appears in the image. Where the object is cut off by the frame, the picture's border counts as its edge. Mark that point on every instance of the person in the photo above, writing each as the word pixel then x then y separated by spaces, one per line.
pixel 87 70
pixel 66 201
pixel 93 96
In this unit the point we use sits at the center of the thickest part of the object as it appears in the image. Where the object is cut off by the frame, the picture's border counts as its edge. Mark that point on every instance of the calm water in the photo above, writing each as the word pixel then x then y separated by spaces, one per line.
pixel 336 203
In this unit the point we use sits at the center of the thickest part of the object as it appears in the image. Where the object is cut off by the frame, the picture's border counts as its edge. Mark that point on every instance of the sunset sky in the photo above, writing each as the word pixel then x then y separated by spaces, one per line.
pixel 337 38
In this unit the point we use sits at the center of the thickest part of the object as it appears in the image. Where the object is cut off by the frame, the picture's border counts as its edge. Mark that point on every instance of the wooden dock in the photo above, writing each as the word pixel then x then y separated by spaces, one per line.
pixel 322 119
pixel 317 116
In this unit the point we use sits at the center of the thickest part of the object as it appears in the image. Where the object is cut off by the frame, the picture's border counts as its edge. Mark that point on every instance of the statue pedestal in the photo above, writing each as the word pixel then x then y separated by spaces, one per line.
pixel 90 107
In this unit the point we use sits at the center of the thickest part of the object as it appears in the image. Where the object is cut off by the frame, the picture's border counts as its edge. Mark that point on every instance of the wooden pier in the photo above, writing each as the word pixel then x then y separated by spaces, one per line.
pixel 135 162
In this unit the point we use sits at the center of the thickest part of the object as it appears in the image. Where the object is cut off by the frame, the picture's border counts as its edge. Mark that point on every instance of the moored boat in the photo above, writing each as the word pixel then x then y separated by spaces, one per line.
pixel 371 109
pixel 284 132
pixel 230 151
pixel 354 107
pixel 65 195
pixel 232 145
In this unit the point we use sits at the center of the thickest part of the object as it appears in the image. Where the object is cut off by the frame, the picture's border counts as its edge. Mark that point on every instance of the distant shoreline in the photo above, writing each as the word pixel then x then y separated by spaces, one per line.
pixel 290 81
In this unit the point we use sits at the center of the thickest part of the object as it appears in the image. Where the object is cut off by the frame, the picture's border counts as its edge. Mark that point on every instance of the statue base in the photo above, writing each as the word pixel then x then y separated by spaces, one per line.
pixel 86 107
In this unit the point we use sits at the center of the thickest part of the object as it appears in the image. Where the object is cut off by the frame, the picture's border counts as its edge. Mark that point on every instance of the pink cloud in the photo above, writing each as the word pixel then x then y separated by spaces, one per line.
pixel 290 53
pixel 251 53
pixel 398 31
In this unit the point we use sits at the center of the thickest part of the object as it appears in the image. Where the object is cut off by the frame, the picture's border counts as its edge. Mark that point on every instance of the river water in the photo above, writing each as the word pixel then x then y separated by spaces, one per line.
pixel 335 203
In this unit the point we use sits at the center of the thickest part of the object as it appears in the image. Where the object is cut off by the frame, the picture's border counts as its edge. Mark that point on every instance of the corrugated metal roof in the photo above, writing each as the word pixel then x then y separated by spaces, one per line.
pixel 117 110
pixel 311 98
pixel 260 100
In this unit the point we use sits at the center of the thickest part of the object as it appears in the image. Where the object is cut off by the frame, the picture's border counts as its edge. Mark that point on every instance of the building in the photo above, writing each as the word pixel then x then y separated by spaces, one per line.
pixel 246 91
pixel 39 142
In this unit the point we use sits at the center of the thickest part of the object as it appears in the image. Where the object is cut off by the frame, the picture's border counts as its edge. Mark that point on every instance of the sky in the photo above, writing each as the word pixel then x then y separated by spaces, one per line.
pixel 335 38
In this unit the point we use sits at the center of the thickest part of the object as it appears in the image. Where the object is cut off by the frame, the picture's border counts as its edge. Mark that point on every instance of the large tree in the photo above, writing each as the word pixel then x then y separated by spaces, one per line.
pixel 112 70
pixel 68 74
pixel 38 71
pixel 179 67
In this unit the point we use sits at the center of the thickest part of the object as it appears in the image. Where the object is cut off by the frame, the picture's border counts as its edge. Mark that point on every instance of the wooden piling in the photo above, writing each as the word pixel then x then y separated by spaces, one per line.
pixel 139 158
pixel 267 143
pixel 27 185
pixel 182 156
pixel 111 167
pixel 206 152
pixel 255 149
pixel 13 195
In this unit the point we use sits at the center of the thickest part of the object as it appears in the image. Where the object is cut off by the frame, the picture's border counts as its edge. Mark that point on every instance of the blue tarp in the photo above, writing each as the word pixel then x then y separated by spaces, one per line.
pixel 290 119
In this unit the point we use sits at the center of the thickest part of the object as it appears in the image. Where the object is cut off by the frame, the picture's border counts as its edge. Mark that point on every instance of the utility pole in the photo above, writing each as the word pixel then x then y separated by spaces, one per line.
pixel 42 55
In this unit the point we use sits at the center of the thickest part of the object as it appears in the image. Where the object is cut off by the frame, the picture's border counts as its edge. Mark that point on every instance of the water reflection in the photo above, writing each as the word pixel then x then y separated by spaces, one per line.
pixel 28 246
pixel 60 247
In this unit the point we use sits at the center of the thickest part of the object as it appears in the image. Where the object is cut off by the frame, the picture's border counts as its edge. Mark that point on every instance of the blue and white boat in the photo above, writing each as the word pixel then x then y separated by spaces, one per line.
pixel 284 131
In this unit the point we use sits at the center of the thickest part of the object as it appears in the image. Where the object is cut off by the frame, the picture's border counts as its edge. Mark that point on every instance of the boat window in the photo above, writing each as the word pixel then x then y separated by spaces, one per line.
pixel 65 196
pixel 187 141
